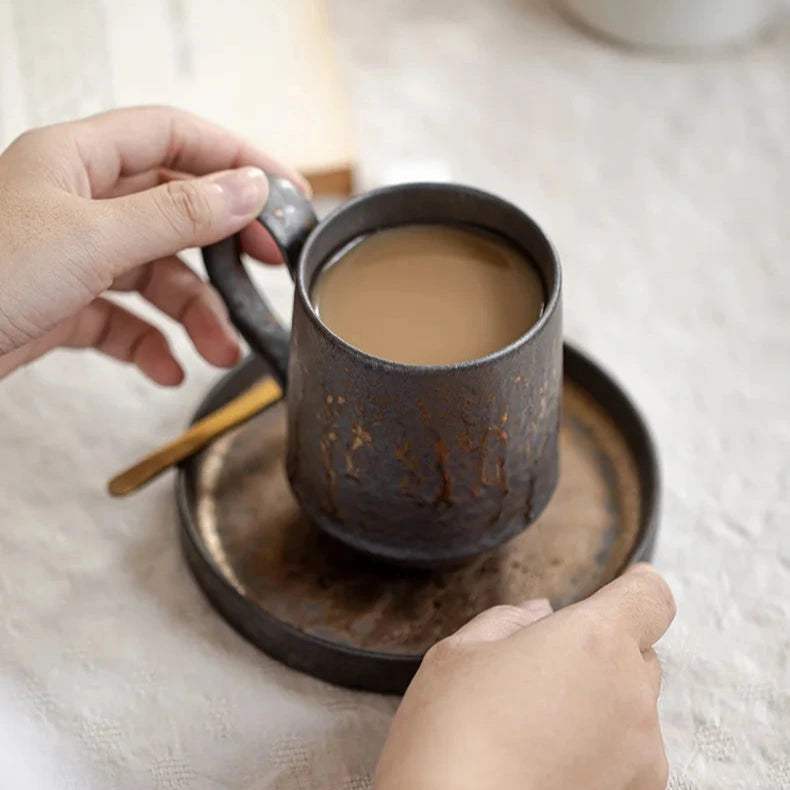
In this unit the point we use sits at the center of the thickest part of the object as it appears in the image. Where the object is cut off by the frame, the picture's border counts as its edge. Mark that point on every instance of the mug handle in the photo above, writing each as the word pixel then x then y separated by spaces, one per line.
pixel 289 218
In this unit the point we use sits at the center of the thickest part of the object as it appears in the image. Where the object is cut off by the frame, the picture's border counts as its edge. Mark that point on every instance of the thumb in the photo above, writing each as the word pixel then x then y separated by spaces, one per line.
pixel 500 622
pixel 186 213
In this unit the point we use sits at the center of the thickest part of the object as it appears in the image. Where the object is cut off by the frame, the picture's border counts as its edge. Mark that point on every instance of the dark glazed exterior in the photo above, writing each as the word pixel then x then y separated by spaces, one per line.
pixel 417 465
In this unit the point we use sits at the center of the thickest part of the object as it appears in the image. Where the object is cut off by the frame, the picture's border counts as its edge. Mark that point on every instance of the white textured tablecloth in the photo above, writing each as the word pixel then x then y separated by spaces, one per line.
pixel 665 185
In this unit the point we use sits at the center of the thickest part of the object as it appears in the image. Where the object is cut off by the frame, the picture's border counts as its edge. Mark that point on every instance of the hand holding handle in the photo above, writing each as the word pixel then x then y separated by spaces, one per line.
pixel 289 218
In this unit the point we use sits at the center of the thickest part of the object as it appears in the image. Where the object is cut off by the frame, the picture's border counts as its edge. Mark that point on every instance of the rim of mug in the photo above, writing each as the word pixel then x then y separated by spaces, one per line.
pixel 549 308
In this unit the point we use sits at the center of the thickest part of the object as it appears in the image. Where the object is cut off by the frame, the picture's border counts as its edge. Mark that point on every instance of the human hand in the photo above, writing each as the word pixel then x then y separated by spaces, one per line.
pixel 522 698
pixel 105 203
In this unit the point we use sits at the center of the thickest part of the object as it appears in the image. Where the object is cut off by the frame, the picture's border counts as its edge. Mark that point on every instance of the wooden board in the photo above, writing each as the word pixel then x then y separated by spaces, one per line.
pixel 265 68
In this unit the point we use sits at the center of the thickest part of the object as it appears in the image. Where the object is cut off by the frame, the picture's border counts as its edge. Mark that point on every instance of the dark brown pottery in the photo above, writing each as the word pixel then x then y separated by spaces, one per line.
pixel 420 465
pixel 323 608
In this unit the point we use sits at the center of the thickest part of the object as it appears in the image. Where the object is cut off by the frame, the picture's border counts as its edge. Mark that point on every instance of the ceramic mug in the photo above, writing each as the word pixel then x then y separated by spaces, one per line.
pixel 418 465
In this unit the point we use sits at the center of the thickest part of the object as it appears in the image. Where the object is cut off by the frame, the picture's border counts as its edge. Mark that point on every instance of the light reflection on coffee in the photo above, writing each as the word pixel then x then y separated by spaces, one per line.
pixel 429 294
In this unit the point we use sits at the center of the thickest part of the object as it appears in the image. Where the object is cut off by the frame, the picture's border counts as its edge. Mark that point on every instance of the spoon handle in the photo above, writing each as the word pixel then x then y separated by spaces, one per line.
pixel 196 437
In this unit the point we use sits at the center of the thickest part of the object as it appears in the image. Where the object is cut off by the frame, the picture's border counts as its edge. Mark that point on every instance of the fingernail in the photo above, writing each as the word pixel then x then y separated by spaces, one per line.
pixel 245 190
pixel 536 606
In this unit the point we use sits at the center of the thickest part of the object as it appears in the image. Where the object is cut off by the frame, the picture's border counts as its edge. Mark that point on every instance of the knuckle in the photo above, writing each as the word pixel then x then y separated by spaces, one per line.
pixel 39 138
pixel 187 205
pixel 27 146
pixel 150 337
pixel 600 636
pixel 157 109
pixel 664 597
pixel 505 613
pixel 444 650
pixel 645 584
pixel 510 617
pixel 28 137
pixel 99 332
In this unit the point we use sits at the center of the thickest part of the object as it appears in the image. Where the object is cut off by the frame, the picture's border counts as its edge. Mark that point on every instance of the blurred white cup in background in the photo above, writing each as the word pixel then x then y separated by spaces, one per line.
pixel 675 24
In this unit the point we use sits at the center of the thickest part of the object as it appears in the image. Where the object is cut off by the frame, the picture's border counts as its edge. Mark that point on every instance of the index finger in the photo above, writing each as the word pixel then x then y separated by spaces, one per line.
pixel 133 140
pixel 640 601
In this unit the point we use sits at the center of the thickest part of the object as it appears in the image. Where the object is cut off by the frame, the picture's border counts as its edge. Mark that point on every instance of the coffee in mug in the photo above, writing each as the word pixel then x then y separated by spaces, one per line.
pixel 429 294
